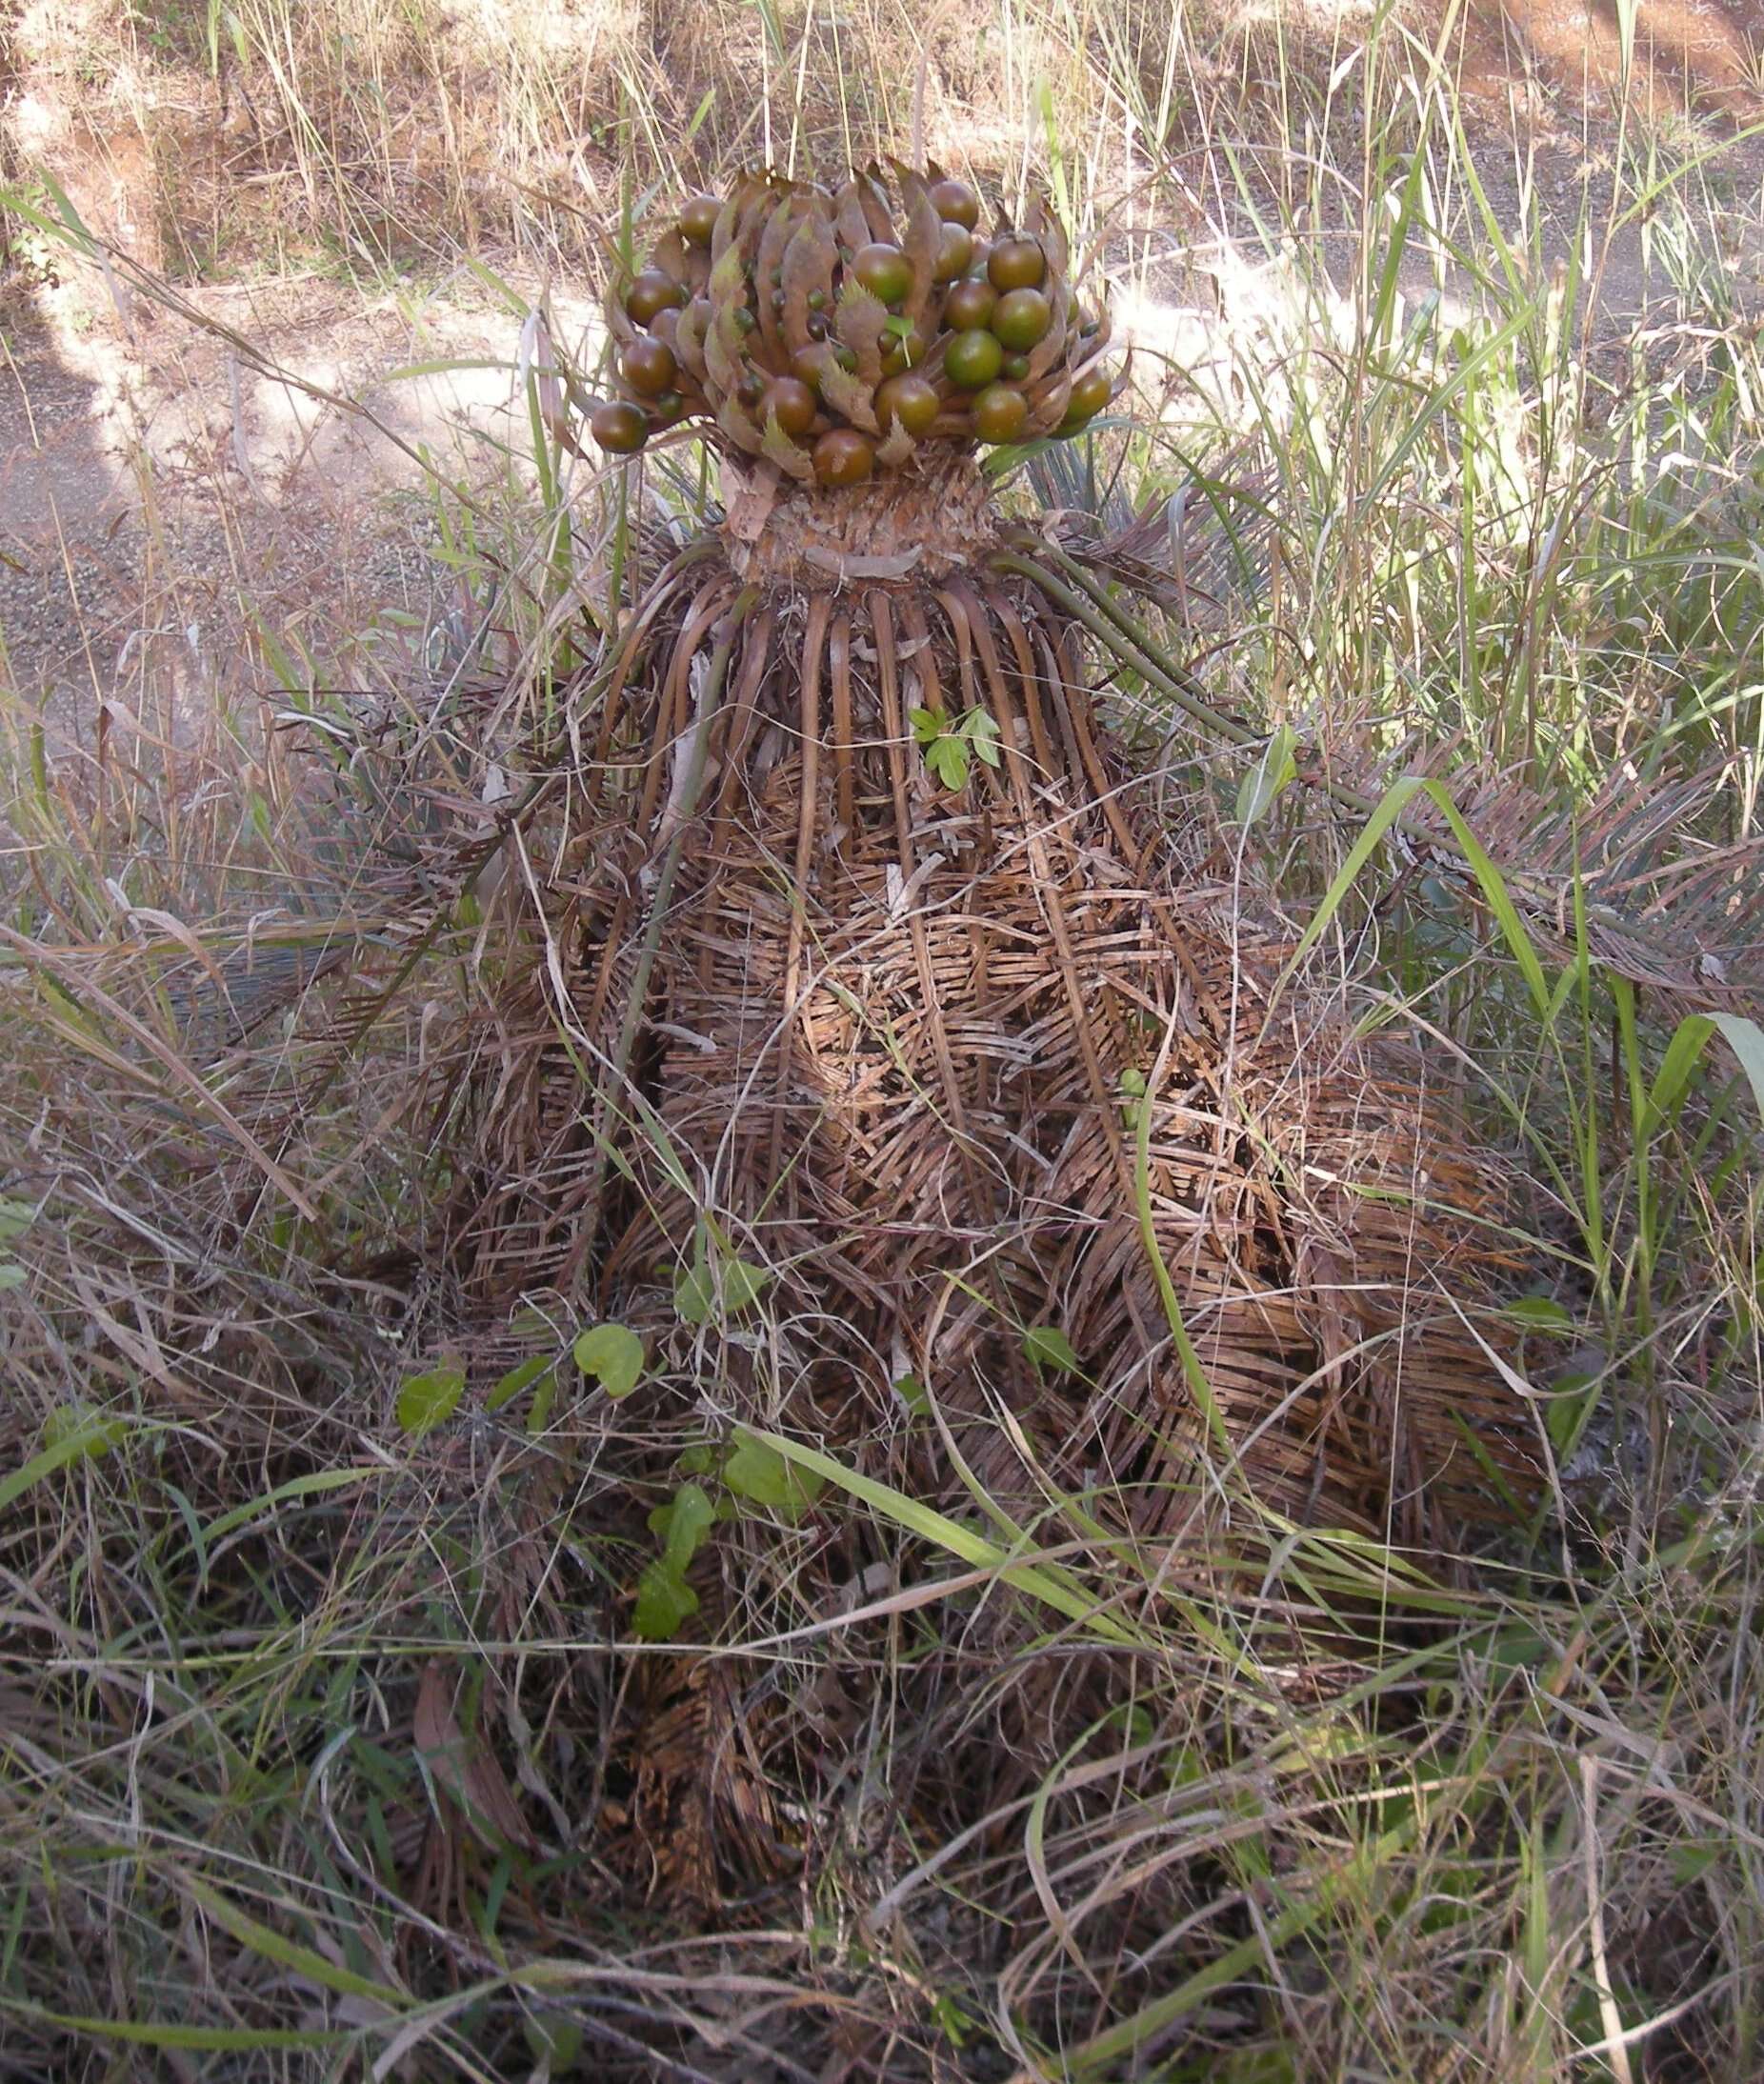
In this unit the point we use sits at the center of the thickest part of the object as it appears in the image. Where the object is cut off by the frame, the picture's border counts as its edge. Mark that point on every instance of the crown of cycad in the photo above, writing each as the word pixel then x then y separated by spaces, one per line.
pixel 839 334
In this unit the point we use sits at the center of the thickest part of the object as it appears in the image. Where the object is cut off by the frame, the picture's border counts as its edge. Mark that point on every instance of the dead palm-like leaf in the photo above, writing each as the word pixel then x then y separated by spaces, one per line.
pixel 898 1036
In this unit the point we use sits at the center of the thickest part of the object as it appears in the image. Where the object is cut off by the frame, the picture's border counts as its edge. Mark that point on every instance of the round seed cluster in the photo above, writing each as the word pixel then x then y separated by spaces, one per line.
pixel 836 333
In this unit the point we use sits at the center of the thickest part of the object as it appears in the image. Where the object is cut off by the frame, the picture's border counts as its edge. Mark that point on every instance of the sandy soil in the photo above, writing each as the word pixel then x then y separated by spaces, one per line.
pixel 157 490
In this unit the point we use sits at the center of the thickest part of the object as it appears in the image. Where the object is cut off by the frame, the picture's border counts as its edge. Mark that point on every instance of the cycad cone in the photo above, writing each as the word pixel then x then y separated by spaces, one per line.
pixel 839 334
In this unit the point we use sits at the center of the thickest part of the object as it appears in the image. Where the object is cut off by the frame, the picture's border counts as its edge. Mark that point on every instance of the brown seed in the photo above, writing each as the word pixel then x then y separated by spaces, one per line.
pixel 653 292
pixel 1016 262
pixel 843 456
pixel 956 203
pixel 910 402
pixel 792 403
pixel 968 304
pixel 648 366
pixel 954 253
pixel 808 362
pixel 619 426
pixel 698 219
pixel 906 351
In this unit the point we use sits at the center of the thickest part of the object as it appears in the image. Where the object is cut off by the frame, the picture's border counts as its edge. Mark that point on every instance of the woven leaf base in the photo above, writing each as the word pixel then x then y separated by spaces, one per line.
pixel 878 1105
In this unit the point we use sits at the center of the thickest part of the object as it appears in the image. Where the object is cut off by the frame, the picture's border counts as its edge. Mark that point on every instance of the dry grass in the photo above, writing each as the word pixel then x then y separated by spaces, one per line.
pixel 329 1745
pixel 378 135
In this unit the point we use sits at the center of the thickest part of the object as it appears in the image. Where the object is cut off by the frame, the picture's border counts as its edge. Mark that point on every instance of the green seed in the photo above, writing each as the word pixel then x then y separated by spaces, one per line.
pixel 884 270
pixel 972 360
pixel 1022 317
pixel 1088 394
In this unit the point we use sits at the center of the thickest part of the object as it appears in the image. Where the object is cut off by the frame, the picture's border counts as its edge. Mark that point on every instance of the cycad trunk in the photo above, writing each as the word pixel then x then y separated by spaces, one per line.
pixel 891 1073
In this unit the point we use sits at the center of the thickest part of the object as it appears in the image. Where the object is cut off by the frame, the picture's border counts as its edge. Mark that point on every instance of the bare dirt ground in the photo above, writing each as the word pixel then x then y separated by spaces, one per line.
pixel 156 488
pixel 160 499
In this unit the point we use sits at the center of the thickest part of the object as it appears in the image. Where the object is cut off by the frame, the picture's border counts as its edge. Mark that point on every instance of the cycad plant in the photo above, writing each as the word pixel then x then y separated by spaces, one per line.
pixel 865 1042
